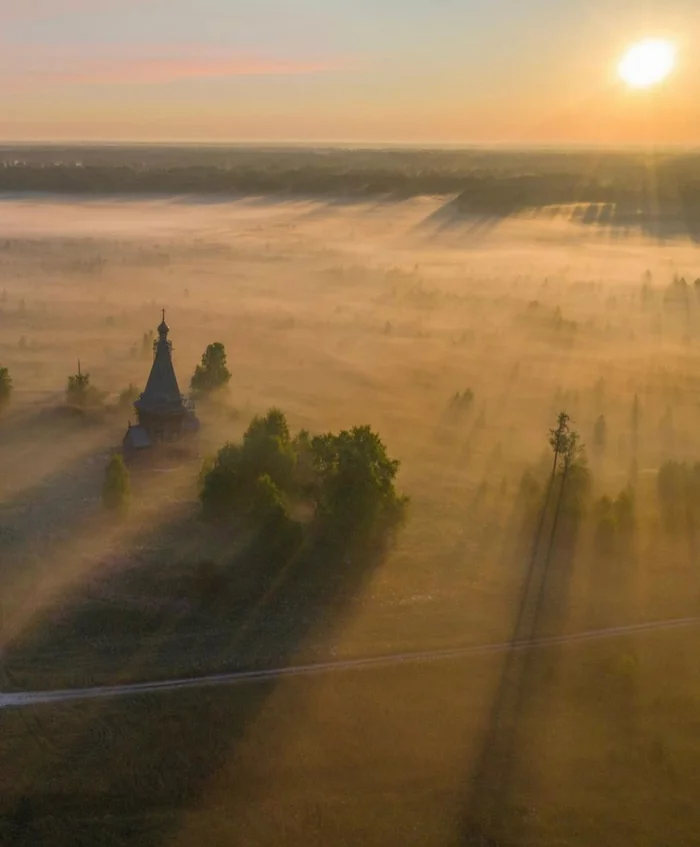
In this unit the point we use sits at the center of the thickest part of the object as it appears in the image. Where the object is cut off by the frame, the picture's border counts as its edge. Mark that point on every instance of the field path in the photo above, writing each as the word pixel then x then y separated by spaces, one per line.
pixel 18 699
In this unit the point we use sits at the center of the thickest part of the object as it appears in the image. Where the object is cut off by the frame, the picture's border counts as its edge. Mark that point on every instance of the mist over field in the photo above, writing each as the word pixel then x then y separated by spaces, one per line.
pixel 457 306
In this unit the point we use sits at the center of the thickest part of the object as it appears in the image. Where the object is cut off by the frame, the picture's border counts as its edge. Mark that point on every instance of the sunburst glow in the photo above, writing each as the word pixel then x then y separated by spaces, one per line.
pixel 647 63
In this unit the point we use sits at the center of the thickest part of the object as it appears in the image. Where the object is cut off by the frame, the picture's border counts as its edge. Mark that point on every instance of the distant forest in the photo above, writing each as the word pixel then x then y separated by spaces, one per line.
pixel 632 186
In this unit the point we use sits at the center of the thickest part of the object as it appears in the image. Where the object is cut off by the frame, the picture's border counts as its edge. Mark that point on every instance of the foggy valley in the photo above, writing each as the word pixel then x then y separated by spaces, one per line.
pixel 536 638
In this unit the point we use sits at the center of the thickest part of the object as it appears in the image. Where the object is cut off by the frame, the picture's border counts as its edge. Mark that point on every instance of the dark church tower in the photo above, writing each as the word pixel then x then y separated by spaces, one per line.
pixel 163 413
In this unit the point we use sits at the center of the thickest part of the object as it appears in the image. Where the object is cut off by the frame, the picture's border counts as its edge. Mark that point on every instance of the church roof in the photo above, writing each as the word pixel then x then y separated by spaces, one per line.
pixel 137 438
pixel 162 393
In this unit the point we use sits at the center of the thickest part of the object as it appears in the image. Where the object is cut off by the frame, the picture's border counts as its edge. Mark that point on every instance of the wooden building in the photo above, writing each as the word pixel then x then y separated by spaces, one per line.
pixel 164 414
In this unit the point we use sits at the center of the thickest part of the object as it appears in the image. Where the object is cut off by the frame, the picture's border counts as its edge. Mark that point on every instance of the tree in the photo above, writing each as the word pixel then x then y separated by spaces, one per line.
pixel 266 501
pixel 558 441
pixel 355 493
pixel 5 388
pixel 600 434
pixel 228 483
pixel 212 374
pixel 116 487
pixel 80 393
pixel 77 388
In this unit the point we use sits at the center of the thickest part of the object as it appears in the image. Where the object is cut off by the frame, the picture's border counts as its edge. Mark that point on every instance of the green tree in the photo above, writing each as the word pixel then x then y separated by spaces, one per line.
pixel 355 493
pixel 266 501
pixel 116 488
pixel 5 388
pixel 212 374
pixel 228 484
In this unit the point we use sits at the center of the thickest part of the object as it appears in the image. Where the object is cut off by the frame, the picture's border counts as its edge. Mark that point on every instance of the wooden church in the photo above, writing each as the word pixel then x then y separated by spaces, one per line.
pixel 164 414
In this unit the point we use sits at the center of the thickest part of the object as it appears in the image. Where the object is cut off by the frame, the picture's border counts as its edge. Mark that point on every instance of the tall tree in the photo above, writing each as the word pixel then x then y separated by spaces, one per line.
pixel 558 441
pixel 572 459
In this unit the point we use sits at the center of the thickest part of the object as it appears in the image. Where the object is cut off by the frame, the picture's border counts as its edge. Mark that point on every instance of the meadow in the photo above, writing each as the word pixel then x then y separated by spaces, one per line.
pixel 345 311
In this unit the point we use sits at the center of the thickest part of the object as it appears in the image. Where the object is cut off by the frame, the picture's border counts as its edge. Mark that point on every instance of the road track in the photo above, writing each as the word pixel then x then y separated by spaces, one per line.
pixel 19 699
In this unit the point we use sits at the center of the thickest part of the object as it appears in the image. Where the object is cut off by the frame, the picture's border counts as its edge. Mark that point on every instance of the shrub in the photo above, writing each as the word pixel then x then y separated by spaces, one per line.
pixel 116 487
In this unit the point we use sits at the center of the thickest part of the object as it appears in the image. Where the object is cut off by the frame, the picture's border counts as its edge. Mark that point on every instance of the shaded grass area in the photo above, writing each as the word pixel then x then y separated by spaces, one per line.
pixel 277 596
pixel 377 757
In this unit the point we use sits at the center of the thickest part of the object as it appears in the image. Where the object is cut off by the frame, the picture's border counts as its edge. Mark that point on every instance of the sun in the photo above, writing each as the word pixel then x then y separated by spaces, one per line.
pixel 647 63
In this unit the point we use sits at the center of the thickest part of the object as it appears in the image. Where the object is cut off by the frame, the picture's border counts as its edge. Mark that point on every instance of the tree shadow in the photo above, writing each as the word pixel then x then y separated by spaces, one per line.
pixel 135 765
pixel 541 612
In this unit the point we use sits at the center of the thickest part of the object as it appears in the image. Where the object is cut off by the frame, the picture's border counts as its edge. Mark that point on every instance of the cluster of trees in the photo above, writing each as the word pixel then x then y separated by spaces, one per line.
pixel 346 480
pixel 210 376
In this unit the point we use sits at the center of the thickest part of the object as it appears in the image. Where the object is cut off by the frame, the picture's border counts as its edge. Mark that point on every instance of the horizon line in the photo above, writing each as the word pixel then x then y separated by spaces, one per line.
pixel 340 144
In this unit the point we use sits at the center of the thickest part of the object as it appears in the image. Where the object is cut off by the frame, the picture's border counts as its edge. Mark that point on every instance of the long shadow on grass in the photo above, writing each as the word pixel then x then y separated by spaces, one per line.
pixel 541 611
pixel 129 768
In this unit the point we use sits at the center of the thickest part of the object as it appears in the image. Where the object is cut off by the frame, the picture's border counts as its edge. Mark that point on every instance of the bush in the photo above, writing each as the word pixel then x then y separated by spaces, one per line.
pixel 116 487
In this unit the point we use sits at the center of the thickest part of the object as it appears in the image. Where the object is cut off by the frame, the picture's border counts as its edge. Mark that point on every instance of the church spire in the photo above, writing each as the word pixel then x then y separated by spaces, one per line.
pixel 163 329
pixel 162 393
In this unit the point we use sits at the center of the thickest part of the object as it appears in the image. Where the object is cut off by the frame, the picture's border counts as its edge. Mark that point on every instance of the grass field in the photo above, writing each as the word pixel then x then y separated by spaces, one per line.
pixel 343 314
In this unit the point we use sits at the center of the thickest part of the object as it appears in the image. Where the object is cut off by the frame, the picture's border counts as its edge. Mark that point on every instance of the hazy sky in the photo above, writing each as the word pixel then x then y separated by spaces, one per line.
pixel 438 71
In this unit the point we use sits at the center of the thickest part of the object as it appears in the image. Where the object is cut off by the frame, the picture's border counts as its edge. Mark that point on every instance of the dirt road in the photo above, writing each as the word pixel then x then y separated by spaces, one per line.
pixel 18 699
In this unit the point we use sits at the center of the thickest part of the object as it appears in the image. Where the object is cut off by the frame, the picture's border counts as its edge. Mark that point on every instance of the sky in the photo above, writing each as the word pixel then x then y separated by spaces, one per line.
pixel 522 72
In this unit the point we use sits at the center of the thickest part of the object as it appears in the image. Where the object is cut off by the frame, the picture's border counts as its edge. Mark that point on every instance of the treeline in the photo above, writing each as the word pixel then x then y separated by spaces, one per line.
pixel 481 189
